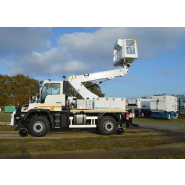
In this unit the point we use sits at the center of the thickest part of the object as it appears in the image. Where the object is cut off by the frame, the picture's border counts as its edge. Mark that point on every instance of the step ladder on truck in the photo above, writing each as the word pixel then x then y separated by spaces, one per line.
pixel 53 108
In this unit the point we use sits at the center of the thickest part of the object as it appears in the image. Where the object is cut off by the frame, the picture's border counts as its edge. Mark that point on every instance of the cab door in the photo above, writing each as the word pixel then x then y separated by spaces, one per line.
pixel 51 96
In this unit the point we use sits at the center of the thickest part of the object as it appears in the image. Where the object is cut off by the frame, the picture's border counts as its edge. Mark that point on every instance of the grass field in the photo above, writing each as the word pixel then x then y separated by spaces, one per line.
pixel 115 147
pixel 5 117
pixel 180 119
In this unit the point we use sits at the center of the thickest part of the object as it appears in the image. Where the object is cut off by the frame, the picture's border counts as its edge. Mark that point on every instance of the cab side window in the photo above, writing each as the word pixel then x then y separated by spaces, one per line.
pixel 54 89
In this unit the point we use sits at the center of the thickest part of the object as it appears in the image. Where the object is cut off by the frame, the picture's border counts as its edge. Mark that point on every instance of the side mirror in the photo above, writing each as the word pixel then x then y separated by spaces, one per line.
pixel 32 99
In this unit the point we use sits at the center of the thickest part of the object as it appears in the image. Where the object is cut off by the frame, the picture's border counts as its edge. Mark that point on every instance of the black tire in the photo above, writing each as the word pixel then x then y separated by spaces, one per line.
pixel 107 125
pixel 38 126
pixel 120 131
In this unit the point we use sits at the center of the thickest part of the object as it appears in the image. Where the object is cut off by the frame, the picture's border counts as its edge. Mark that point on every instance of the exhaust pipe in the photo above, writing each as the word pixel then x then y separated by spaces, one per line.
pixel 120 131
pixel 23 132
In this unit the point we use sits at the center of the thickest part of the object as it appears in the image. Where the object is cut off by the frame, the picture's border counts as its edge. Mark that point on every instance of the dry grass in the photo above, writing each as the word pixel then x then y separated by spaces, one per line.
pixel 69 144
pixel 179 120
pixel 5 117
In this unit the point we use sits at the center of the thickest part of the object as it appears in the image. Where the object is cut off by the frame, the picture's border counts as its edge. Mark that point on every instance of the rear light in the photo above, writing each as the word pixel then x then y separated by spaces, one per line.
pixel 127 114
pixel 25 108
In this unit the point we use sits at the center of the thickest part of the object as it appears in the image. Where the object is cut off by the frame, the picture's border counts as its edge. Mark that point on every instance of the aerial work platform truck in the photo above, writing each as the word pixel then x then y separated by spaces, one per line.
pixel 53 108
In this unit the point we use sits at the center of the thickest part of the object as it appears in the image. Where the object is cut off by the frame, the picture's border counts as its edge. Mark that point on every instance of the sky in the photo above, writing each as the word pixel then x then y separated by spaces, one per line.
pixel 50 53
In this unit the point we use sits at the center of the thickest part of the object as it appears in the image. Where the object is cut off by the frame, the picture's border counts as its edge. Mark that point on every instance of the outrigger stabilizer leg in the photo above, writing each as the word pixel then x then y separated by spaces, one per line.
pixel 132 124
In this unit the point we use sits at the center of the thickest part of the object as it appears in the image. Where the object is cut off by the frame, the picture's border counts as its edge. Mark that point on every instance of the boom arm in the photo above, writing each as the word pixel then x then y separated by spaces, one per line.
pixel 125 52
pixel 76 81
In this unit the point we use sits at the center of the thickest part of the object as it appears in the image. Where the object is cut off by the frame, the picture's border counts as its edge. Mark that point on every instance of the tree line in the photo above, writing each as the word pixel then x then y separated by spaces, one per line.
pixel 17 89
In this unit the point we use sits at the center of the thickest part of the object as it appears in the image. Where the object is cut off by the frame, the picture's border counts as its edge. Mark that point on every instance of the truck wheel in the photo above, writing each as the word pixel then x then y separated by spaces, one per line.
pixel 120 131
pixel 107 125
pixel 38 126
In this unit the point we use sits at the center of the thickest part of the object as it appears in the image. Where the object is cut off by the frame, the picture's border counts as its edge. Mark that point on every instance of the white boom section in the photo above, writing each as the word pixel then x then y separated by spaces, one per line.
pixel 125 52
pixel 76 81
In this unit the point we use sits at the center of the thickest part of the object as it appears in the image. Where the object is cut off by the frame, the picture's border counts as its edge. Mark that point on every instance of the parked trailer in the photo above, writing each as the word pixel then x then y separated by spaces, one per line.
pixel 141 107
pixel 163 106
pixel 181 103
pixel 181 99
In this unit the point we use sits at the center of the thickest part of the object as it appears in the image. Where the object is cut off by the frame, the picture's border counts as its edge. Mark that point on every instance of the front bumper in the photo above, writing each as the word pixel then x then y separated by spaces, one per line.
pixel 12 123
pixel 15 119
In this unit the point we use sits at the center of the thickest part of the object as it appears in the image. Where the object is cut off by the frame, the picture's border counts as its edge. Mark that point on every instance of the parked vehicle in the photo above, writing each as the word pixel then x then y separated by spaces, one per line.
pixel 53 108
pixel 181 99
pixel 140 106
pixel 163 106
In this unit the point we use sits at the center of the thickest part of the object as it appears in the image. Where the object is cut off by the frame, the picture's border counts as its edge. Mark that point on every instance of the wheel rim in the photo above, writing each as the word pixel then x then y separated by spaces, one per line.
pixel 38 126
pixel 109 125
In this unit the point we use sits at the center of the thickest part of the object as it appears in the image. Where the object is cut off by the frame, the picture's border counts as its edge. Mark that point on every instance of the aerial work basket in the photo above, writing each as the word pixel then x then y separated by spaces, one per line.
pixel 125 52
